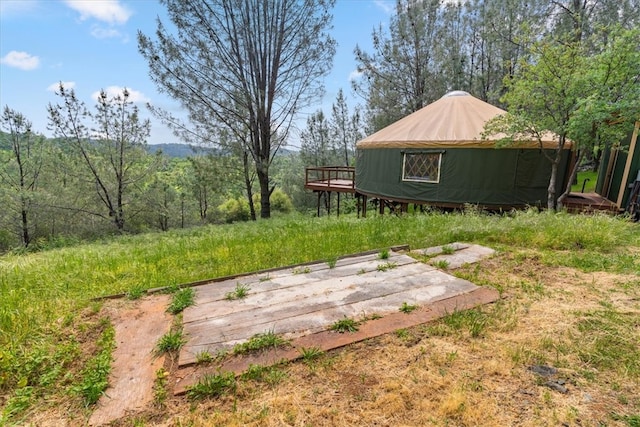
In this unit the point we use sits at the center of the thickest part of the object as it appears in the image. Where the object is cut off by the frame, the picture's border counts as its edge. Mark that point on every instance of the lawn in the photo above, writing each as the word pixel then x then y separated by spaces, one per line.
pixel 570 293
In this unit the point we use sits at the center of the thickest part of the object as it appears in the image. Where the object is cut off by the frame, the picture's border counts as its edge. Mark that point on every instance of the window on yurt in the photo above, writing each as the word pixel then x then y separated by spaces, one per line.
pixel 422 167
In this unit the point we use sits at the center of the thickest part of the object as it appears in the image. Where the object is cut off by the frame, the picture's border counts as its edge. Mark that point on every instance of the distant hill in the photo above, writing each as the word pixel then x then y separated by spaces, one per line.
pixel 173 150
pixel 177 150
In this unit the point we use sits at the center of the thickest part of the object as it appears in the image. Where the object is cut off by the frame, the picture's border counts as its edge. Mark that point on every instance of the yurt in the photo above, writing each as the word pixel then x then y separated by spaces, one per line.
pixel 437 156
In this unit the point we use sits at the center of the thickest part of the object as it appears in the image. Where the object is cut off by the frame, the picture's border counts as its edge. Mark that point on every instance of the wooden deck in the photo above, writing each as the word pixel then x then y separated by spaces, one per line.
pixel 339 179
pixel 589 202
pixel 301 303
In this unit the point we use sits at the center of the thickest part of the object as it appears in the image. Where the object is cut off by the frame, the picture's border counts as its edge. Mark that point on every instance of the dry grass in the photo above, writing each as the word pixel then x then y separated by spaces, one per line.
pixel 441 375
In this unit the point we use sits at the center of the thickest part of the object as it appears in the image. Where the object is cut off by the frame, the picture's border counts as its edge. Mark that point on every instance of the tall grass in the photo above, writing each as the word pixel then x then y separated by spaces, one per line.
pixel 43 291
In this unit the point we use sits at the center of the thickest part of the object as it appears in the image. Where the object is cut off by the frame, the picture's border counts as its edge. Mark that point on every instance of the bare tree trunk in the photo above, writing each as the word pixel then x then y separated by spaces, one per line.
pixel 26 239
pixel 247 183
pixel 265 193
pixel 572 178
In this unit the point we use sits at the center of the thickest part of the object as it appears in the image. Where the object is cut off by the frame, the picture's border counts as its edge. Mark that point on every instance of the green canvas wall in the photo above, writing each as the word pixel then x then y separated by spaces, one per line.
pixel 485 176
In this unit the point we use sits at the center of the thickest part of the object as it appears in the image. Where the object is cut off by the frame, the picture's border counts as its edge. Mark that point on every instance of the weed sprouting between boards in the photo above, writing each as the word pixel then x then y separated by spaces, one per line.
pixel 171 341
pixel 407 308
pixel 345 325
pixel 386 266
pixel 241 291
pixel 180 300
pixel 259 342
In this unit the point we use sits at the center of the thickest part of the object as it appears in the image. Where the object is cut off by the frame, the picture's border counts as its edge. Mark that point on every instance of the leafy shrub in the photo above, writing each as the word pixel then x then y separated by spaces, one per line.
pixel 280 201
pixel 234 210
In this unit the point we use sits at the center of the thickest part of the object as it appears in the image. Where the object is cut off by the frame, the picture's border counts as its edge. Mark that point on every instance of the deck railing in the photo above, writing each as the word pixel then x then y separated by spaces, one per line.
pixel 330 175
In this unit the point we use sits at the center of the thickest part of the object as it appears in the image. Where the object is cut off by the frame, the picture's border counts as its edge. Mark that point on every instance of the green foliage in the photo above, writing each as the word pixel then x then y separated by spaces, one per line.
pixel 310 353
pixel 407 308
pixel 271 375
pixel 204 357
pixel 160 391
pixel 136 292
pixel 280 201
pixel 213 385
pixel 331 262
pixel 264 341
pixel 344 325
pixel 171 341
pixel 180 300
pixel 442 264
pixel 386 266
pixel 588 98
pixel 588 179
pixel 448 250
pixel 95 375
pixel 241 291
pixel 606 342
pixel 474 321
pixel 384 254
pixel 233 210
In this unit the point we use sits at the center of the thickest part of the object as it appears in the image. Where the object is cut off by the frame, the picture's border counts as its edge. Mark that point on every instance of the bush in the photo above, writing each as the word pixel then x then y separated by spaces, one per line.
pixel 280 201
pixel 234 210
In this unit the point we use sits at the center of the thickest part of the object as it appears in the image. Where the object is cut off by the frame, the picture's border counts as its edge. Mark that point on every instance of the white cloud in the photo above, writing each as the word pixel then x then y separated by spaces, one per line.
pixel 387 7
pixel 55 86
pixel 109 11
pixel 113 91
pixel 21 60
pixel 105 33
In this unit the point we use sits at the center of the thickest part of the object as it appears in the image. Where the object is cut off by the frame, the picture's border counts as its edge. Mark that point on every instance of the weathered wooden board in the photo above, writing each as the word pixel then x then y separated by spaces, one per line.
pixel 296 302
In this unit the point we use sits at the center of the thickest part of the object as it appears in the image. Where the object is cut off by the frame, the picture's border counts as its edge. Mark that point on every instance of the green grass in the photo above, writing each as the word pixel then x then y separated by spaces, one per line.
pixel 241 291
pixel 43 294
pixel 386 266
pixel 475 322
pixel 344 325
pixel 271 375
pixel 213 385
pixel 589 186
pixel 95 375
pixel 407 308
pixel 180 300
pixel 171 341
pixel 260 342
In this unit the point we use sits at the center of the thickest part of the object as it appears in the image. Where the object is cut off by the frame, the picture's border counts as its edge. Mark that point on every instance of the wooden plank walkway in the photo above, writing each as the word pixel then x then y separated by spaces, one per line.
pixel 300 301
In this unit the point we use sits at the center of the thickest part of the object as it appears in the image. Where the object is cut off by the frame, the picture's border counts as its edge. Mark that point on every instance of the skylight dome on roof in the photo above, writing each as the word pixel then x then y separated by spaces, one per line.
pixel 456 93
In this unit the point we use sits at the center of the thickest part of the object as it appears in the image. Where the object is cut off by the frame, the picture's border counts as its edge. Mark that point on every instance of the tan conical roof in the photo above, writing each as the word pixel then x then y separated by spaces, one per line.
pixel 457 119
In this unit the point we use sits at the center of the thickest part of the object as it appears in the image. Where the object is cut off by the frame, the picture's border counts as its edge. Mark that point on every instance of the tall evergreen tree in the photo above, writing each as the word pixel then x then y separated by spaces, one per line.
pixel 245 65
pixel 20 169
pixel 111 152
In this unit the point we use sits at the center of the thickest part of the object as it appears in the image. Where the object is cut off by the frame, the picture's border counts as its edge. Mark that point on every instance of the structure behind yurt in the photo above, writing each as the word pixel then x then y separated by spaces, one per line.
pixel 437 156
pixel 619 177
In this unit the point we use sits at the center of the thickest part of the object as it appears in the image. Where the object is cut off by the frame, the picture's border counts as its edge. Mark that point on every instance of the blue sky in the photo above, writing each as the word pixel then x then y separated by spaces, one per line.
pixel 91 45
